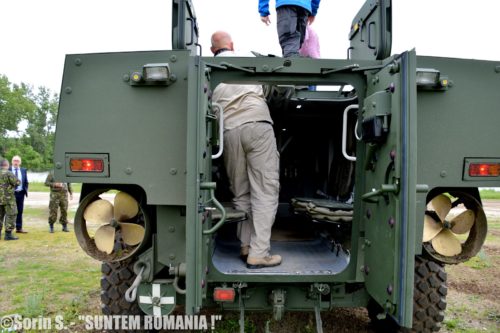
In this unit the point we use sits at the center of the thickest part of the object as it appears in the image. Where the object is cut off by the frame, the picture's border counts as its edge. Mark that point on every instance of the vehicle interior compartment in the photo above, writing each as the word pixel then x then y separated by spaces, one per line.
pixel 312 230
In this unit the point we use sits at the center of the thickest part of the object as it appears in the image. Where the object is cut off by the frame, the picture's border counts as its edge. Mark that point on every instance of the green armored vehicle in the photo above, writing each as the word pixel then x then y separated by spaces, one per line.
pixel 379 173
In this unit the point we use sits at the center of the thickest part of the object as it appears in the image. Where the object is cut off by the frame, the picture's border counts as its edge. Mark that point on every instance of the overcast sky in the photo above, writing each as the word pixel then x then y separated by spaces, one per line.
pixel 35 34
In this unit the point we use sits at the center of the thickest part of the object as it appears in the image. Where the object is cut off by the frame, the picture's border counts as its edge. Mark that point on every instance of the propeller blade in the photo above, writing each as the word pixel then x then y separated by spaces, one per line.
pixel 132 234
pixel 99 211
pixel 446 243
pixel 431 228
pixel 105 238
pixel 441 205
pixel 463 222
pixel 126 207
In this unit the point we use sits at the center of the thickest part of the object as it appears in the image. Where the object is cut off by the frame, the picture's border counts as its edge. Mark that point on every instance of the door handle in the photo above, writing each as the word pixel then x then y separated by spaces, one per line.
pixel 382 191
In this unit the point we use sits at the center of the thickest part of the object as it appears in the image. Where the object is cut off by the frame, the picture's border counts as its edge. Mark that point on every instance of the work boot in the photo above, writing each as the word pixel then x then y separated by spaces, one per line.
pixel 65 228
pixel 51 228
pixel 268 261
pixel 244 250
pixel 10 236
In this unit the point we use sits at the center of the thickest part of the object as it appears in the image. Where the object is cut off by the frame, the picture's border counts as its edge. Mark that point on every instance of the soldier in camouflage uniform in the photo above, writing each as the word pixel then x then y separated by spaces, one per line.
pixel 8 207
pixel 58 199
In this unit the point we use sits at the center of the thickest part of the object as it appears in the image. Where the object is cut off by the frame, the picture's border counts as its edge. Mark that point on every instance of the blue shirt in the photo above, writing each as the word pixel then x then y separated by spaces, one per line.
pixel 310 5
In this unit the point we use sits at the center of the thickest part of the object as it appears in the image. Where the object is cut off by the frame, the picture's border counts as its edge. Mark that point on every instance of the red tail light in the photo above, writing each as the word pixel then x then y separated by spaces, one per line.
pixel 224 294
pixel 86 165
pixel 484 169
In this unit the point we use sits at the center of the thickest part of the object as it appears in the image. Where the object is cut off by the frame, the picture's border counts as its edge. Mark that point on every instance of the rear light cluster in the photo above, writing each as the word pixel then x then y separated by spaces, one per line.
pixel 224 294
pixel 484 169
pixel 86 165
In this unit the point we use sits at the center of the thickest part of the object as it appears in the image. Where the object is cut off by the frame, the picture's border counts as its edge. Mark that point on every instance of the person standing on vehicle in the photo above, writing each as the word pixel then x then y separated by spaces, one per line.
pixel 58 199
pixel 8 209
pixel 292 19
pixel 251 160
pixel 20 192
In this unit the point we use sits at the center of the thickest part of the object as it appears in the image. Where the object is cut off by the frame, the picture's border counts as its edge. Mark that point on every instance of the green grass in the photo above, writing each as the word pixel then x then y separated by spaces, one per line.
pixel 464 319
pixel 489 194
pixel 47 274
pixel 40 187
pixel 480 261
pixel 231 324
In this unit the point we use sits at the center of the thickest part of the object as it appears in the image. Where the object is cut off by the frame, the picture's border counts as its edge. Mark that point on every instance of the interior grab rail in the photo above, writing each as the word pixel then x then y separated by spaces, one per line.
pixel 344 131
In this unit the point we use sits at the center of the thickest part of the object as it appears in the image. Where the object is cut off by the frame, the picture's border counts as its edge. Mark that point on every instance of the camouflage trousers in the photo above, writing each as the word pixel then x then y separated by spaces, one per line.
pixel 58 200
pixel 9 213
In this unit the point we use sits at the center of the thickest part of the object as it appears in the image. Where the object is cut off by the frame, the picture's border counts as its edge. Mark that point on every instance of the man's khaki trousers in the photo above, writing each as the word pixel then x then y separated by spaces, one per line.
pixel 252 164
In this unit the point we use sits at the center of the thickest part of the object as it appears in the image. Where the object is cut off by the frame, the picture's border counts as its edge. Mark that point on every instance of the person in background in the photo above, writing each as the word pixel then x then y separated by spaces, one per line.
pixel 58 199
pixel 8 209
pixel 292 19
pixel 20 192
pixel 251 159
pixel 310 47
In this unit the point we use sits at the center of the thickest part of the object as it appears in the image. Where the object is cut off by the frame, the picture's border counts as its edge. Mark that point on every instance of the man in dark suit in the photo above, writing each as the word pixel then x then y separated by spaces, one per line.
pixel 20 192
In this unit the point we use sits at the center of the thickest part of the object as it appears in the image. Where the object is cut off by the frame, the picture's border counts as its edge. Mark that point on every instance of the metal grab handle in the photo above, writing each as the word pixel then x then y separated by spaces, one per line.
pixel 384 189
pixel 192 31
pixel 221 131
pixel 217 204
pixel 344 132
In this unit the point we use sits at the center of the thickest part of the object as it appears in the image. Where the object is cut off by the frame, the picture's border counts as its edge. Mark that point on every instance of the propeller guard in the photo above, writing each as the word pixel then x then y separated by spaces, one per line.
pixel 87 242
pixel 477 233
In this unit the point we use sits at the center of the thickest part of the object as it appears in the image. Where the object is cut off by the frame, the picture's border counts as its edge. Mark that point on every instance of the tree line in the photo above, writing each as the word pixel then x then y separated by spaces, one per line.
pixel 27 123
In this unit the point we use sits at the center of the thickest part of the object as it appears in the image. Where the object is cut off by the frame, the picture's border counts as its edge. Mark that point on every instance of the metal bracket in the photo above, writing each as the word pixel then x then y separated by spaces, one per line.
pixel 226 65
pixel 278 298
pixel 352 67
pixel 241 305
pixel 211 187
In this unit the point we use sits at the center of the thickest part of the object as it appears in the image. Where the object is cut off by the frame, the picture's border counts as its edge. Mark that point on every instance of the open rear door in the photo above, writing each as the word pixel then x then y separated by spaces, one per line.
pixel 386 197
pixel 184 26
pixel 371 31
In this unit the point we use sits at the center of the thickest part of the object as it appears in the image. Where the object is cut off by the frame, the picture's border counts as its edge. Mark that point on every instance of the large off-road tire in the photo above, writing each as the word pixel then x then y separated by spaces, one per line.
pixel 116 278
pixel 429 300
pixel 429 295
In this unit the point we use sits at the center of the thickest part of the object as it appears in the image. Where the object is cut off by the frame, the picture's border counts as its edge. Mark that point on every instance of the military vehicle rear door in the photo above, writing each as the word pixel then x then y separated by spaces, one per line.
pixel 185 37
pixel 386 163
pixel 371 31
pixel 184 26
pixel 386 184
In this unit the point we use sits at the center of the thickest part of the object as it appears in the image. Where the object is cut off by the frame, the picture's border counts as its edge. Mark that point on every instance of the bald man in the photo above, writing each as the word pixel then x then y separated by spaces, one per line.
pixel 251 159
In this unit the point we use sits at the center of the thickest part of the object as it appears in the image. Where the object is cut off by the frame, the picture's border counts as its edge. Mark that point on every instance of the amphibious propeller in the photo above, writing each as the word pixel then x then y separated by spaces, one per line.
pixel 440 231
pixel 102 212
